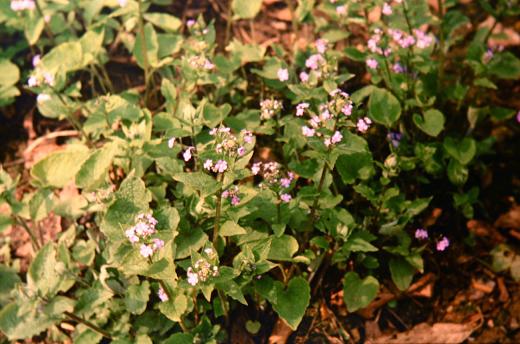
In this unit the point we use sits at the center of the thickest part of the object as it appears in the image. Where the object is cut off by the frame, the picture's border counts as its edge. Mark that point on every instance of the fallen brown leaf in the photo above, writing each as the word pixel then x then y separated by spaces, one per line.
pixel 280 333
pixel 511 219
pixel 504 295
pixel 431 334
pixel 432 218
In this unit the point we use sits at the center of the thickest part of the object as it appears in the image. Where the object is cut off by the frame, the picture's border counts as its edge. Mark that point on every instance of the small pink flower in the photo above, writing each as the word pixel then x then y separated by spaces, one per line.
pixel 387 9
pixel 130 234
pixel 122 3
pixel 286 198
pixel 283 74
pixel 443 244
pixel 42 98
pixel 341 10
pixel 347 109
pixel 171 142
pixel 336 137
pixel 235 200
pixel 300 109
pixel 208 164
pixel 371 63
pixel 241 151
pixel 162 295
pixel 363 124
pixel 321 45
pixel 314 61
pixel 220 166
pixel 146 250
pixel 304 77
pixel 190 22
pixel 187 154
pixel 308 132
pixel 421 234
pixel 285 182
pixel 255 169
pixel 157 244
pixel 397 68
pixel 248 136
pixel 36 60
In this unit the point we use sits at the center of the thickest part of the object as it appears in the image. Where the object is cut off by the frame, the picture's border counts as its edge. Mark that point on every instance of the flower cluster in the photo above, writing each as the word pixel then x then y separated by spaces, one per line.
pixel 442 244
pixel 141 232
pixel 316 63
pixel 274 179
pixel 394 138
pixel 340 103
pixel 363 124
pixel 21 5
pixel 201 63
pixel 269 108
pixel 203 268
pixel 383 43
pixel 233 194
pixel 283 74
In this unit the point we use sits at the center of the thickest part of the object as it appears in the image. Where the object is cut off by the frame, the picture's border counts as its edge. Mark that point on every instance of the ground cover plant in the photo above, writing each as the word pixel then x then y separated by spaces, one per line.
pixel 201 178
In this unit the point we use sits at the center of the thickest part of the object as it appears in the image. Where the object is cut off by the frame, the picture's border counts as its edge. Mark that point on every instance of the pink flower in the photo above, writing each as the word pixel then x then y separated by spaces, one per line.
pixel 36 60
pixel 347 109
pixel 157 244
pixel 321 45
pixel 285 182
pixel 187 153
pixel 235 200
pixel 171 142
pixel 130 234
pixel 397 68
pixel 443 244
pixel 308 132
pixel 314 61
pixel 421 234
pixel 327 142
pixel 315 121
pixel 336 137
pixel 241 151
pixel 286 197
pixel 363 124
pixel 341 10
pixel 371 63
pixel 162 295
pixel 387 9
pixel 304 77
pixel 283 74
pixel 255 169
pixel 208 164
pixel 43 97
pixel 146 250
pixel 518 116
pixel 423 40
pixel 20 5
pixel 32 81
pixel 300 109
pixel 190 22
pixel 248 136
pixel 122 3
pixel 220 166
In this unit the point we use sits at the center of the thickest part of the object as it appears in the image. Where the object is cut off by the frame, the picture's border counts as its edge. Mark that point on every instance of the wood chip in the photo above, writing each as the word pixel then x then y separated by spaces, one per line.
pixel 511 219
pixel 280 333
pixel 486 287
pixel 431 334
pixel 504 295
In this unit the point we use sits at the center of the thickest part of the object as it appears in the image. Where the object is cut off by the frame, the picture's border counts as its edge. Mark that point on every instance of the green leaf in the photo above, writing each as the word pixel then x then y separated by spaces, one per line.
pixel 8 280
pixel 164 21
pixel 59 168
pixel 292 303
pixel 16 324
pixel 353 166
pixel 42 275
pixel 136 297
pixel 230 228
pixel 304 9
pixel 174 308
pixel 357 292
pixel 383 107
pixel 283 248
pixel 432 122
pixel 150 46
pixel 245 9
pixel 66 57
pixel 9 73
pixel 246 52
pixel 198 181
pixel 402 272
pixel 457 173
pixel 180 338
pixel 461 150
pixel 93 172
pixel 505 66
pixel 33 28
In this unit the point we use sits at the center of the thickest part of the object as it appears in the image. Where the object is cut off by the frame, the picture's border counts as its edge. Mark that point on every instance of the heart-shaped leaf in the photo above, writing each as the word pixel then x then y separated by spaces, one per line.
pixel 461 150
pixel 432 122
pixel 291 303
pixel 357 292
pixel 384 107
pixel 402 272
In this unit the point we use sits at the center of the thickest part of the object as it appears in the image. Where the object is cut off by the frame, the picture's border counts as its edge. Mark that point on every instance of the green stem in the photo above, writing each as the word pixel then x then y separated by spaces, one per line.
pixel 34 239
pixel 88 324
pixel 218 210
pixel 442 42
pixel 144 47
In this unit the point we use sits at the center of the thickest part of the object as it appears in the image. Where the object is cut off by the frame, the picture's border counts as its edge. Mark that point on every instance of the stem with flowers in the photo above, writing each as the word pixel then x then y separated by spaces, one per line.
pixel 218 209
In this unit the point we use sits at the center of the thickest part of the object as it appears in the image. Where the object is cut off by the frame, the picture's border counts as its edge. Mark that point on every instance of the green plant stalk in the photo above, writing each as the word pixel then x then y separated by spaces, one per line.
pixel 442 42
pixel 88 324
pixel 316 200
pixel 45 24
pixel 218 210
pixel 228 24
pixel 34 240
pixel 140 24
